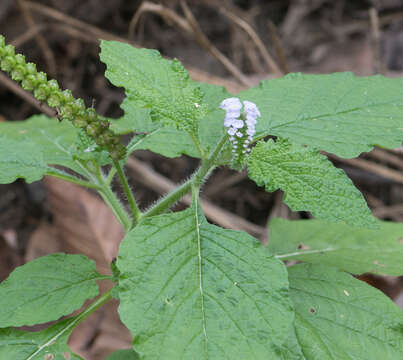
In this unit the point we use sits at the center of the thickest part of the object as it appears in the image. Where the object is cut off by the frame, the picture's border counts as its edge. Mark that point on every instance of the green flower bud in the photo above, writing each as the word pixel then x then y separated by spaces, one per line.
pixel 41 92
pixel 80 119
pixel 55 99
pixel 2 41
pixel 29 82
pixel 31 68
pixel 41 77
pixel 9 50
pixel 92 115
pixel 93 130
pixel 18 73
pixel 67 96
pixel 8 63
pixel 53 85
pixel 20 59
pixel 66 111
pixel 79 105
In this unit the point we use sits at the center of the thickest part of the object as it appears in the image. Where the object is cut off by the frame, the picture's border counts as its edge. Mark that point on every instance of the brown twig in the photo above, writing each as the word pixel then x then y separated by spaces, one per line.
pixel 28 97
pixel 376 41
pixel 202 39
pixel 150 178
pixel 270 62
pixel 42 43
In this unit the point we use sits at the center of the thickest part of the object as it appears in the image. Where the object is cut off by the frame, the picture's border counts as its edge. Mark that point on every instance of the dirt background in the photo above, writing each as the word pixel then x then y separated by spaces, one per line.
pixel 235 43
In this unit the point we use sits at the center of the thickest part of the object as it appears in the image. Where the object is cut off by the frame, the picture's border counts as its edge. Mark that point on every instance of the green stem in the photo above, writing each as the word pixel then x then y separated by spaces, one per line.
pixel 74 322
pixel 196 180
pixel 113 202
pixel 136 213
pixel 62 175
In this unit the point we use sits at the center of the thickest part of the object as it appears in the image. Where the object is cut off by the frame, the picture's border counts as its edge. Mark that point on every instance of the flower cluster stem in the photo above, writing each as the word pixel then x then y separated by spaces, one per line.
pixel 136 213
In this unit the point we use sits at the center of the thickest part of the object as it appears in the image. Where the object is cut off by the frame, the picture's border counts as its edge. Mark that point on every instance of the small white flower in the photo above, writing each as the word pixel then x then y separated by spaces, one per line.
pixel 231 131
pixel 238 124
pixel 231 104
pixel 251 108
pixel 197 105
pixel 239 134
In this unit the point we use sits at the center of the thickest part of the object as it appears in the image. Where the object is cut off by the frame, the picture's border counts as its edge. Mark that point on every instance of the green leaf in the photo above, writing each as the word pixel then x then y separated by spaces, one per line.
pixel 340 317
pixel 50 343
pixel 191 290
pixel 20 160
pixel 154 83
pixel 353 250
pixel 126 354
pixel 339 113
pixel 54 142
pixel 46 289
pixel 310 182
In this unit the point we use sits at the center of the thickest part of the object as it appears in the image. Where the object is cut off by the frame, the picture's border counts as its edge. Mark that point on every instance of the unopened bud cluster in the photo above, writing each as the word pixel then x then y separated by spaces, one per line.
pixel 67 107
pixel 241 125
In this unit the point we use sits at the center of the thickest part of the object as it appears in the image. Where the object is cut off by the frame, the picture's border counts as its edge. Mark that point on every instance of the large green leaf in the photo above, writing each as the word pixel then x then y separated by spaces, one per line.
pixel 48 344
pixel 354 250
pixel 154 83
pixel 339 113
pixel 191 290
pixel 54 141
pixel 20 160
pixel 341 318
pixel 46 289
pixel 310 182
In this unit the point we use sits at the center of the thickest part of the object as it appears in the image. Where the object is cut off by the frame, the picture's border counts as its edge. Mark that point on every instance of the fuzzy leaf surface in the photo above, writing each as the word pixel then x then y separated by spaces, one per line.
pixel 341 318
pixel 310 182
pixel 166 140
pixel 50 343
pixel 54 140
pixel 154 83
pixel 354 250
pixel 339 113
pixel 20 161
pixel 191 290
pixel 47 288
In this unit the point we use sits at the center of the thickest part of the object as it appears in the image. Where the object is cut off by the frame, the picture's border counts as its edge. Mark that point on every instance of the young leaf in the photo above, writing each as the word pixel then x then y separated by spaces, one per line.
pixel 191 290
pixel 351 249
pixel 310 182
pixel 46 289
pixel 20 160
pixel 126 354
pixel 155 83
pixel 339 113
pixel 53 140
pixel 340 317
pixel 50 343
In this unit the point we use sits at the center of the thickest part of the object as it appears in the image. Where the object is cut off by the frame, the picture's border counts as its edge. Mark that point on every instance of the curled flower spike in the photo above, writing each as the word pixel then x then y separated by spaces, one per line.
pixel 67 107
pixel 241 127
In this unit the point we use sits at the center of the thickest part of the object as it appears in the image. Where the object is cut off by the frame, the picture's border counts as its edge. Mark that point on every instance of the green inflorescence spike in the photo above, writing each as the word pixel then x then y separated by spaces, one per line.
pixel 67 106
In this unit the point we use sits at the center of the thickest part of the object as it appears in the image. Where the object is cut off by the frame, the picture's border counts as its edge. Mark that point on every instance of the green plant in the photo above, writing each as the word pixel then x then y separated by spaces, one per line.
pixel 189 289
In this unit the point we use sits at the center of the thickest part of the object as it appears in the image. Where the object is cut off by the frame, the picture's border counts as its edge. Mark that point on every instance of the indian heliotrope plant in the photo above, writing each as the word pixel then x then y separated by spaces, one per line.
pixel 189 289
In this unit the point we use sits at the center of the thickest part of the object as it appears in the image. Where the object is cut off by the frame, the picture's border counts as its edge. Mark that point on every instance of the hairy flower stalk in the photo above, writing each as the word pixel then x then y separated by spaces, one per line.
pixel 241 127
pixel 67 107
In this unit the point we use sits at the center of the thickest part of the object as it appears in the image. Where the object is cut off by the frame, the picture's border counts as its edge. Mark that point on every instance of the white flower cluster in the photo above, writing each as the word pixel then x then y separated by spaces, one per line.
pixel 241 127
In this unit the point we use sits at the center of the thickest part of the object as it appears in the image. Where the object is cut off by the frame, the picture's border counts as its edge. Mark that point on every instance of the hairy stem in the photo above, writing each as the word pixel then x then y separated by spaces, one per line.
pixel 196 180
pixel 136 213
pixel 64 176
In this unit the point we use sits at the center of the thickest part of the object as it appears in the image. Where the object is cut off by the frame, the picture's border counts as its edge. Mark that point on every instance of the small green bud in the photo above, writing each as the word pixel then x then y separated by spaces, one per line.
pixel 31 68
pixel 8 63
pixel 66 111
pixel 67 96
pixel 41 77
pixel 79 105
pixel 93 130
pixel 41 92
pixel 104 124
pixel 80 119
pixel 92 115
pixel 53 85
pixel 29 82
pixel 20 59
pixel 9 50
pixel 18 73
pixel 2 41
pixel 55 99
